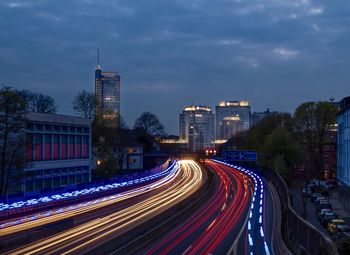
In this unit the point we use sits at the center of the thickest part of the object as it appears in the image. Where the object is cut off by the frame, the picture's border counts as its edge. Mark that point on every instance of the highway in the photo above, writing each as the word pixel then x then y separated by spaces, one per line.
pixel 60 213
pixel 85 237
pixel 214 227
pixel 227 223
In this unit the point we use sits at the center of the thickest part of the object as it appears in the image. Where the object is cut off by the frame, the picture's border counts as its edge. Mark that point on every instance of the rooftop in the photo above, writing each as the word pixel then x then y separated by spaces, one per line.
pixel 234 103
pixel 57 118
pixel 197 108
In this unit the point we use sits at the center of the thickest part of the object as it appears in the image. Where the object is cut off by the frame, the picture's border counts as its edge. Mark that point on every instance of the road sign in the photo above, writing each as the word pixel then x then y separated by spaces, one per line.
pixel 240 155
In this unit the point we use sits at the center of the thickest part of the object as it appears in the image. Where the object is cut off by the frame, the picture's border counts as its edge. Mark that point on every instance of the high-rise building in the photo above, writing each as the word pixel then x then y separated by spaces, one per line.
pixel 197 127
pixel 232 117
pixel 343 146
pixel 107 91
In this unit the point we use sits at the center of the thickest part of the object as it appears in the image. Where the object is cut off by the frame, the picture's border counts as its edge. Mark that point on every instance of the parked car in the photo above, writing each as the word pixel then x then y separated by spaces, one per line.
pixel 322 212
pixel 327 217
pixel 333 223
pixel 323 205
pixel 307 192
pixel 342 235
pixel 342 228
pixel 315 196
pixel 320 199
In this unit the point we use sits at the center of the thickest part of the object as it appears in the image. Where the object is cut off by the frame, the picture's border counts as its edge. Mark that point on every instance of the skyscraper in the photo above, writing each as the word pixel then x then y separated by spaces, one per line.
pixel 107 91
pixel 232 117
pixel 197 127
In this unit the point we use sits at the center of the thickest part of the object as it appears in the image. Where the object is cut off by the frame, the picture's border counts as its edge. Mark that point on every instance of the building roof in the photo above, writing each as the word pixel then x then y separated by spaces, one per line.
pixel 242 103
pixel 57 118
pixel 345 104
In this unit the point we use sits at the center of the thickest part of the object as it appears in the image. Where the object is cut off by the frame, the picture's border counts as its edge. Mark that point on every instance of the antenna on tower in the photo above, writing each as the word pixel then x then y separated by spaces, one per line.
pixel 98 58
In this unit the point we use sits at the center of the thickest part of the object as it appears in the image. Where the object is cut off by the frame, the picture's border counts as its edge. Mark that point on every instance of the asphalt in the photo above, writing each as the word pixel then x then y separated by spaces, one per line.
pixel 306 209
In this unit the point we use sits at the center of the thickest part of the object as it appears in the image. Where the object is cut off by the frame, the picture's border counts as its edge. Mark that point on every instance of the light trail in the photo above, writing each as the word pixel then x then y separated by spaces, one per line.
pixel 46 217
pixel 218 217
pixel 7 209
pixel 255 225
pixel 90 235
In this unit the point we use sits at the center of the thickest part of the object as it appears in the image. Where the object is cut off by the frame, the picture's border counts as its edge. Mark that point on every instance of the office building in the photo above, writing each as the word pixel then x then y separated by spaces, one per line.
pixel 107 91
pixel 259 116
pixel 197 127
pixel 58 151
pixel 232 117
pixel 343 144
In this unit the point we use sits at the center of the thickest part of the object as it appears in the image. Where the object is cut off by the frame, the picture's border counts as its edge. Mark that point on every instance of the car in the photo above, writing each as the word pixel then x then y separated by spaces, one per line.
pixel 322 212
pixel 327 217
pixel 342 235
pixel 342 228
pixel 323 205
pixel 315 196
pixel 333 223
pixel 307 192
pixel 320 199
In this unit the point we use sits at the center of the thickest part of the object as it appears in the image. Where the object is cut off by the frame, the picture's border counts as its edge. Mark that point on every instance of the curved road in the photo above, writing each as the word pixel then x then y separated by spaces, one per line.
pixel 214 227
pixel 85 237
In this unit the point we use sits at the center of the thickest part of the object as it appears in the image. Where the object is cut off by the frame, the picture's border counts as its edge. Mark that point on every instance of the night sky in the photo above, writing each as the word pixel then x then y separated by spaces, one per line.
pixel 169 53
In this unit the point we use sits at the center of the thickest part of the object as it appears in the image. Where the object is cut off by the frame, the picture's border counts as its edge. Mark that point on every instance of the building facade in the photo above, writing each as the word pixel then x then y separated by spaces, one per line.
pixel 197 124
pixel 343 143
pixel 232 117
pixel 107 91
pixel 58 151
pixel 259 116
pixel 124 147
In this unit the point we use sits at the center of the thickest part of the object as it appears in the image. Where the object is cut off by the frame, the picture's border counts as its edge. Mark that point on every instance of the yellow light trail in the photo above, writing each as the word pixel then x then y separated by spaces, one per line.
pixel 57 215
pixel 90 235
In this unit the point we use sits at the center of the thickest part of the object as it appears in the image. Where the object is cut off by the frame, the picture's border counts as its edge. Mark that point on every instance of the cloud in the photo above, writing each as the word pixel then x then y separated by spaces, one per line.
pixel 210 49
pixel 285 53
pixel 316 10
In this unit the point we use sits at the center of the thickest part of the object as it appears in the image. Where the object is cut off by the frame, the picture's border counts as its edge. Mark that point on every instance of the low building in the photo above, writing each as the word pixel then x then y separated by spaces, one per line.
pixel 58 151
pixel 343 143
pixel 124 147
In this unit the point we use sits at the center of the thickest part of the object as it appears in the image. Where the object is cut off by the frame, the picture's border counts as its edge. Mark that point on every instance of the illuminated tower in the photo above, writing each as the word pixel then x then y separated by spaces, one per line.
pixel 107 91
pixel 232 117
pixel 197 127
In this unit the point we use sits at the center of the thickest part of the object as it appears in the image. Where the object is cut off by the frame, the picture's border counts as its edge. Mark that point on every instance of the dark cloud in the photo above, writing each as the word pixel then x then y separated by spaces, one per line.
pixel 276 53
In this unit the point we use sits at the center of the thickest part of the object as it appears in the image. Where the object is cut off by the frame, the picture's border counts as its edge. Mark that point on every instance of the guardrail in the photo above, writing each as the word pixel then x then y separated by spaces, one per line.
pixel 89 191
pixel 300 236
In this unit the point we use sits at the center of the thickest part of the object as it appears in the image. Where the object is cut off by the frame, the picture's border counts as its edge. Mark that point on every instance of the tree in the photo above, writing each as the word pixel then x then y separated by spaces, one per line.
pixel 37 102
pixel 149 123
pixel 273 139
pixel 281 152
pixel 312 121
pixel 84 104
pixel 105 138
pixel 12 138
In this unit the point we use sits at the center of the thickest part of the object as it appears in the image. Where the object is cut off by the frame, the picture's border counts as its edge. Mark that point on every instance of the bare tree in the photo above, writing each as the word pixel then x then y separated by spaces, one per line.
pixel 37 102
pixel 12 137
pixel 84 104
pixel 150 124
